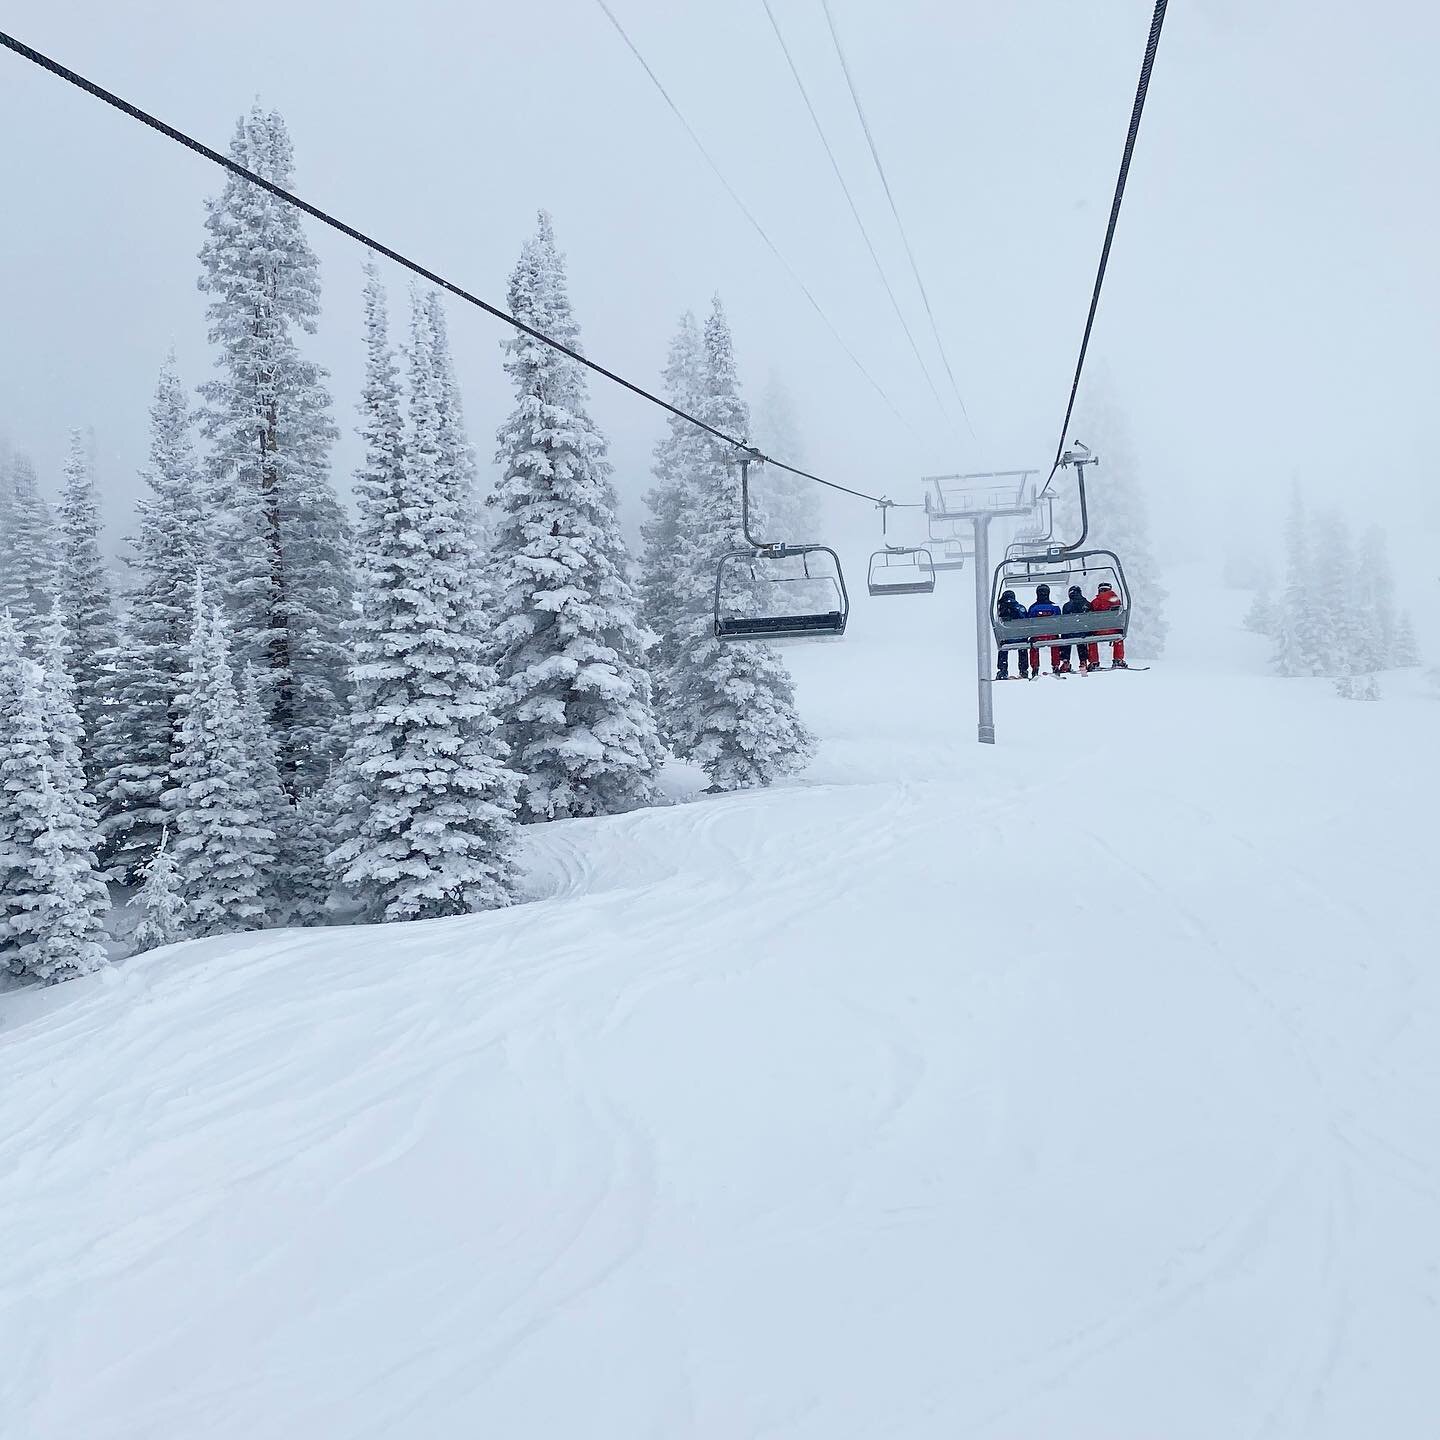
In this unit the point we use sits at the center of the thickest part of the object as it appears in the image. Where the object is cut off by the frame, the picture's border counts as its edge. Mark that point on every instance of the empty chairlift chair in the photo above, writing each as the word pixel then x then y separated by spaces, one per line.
pixel 777 590
pixel 901 570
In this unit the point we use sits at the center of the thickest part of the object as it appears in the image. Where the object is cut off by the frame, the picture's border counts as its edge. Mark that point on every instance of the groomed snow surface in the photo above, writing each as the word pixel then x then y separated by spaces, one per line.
pixel 1086 1086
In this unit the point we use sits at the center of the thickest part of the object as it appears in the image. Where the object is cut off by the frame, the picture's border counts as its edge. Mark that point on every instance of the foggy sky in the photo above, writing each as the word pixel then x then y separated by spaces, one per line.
pixel 1271 308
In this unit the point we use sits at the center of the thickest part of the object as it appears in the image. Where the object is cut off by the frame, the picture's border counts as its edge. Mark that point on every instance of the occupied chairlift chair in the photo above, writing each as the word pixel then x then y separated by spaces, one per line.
pixel 776 590
pixel 900 569
pixel 1060 567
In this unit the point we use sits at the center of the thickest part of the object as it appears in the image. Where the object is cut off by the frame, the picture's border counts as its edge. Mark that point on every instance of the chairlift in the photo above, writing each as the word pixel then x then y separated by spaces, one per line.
pixel 902 570
pixel 1060 567
pixel 777 590
pixel 899 569
pixel 952 556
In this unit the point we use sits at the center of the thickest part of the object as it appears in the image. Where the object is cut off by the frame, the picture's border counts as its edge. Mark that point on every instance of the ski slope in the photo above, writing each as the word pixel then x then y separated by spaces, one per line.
pixel 1086 1086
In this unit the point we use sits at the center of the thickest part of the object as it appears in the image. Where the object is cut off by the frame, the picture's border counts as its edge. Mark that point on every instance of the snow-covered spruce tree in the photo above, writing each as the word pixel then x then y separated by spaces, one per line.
pixel 222 845
pixel 318 821
pixel 1119 520
pixel 457 455
pixel 431 828
pixel 277 815
pixel 1374 600
pixel 576 693
pixel 162 906
pixel 52 900
pixel 82 591
pixel 675 455
pixel 29 574
pixel 793 503
pixel 1298 640
pixel 732 704
pixel 7 523
pixel 1337 623
pixel 65 728
pixel 1260 616
pixel 283 540
pixel 172 544
pixel 1406 651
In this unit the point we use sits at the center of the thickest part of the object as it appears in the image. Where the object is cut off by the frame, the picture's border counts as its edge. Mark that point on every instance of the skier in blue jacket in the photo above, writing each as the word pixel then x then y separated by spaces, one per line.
pixel 1044 605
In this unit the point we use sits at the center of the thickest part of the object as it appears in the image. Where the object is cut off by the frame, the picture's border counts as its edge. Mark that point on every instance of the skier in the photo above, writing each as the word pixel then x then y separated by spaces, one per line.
pixel 1077 604
pixel 1107 599
pixel 1009 608
pixel 1044 605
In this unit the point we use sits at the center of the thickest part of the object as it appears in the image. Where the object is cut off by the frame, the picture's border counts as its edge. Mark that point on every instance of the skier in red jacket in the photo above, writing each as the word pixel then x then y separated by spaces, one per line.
pixel 1107 599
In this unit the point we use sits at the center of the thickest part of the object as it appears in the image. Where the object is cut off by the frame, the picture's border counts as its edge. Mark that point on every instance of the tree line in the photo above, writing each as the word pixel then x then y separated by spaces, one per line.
pixel 1334 613
pixel 296 714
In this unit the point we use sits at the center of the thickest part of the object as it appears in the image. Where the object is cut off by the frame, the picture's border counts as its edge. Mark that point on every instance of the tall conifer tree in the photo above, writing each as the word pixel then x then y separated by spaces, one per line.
pixel 284 541
pixel 27 586
pixel 732 704
pixel 52 900
pixel 675 455
pixel 82 592
pixel 172 544
pixel 577 702
pixel 223 847
pixel 430 830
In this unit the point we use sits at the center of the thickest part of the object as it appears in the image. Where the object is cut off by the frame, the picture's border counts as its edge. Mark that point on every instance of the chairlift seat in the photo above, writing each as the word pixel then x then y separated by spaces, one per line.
pixel 782 627
pixel 753 602
pixel 911 566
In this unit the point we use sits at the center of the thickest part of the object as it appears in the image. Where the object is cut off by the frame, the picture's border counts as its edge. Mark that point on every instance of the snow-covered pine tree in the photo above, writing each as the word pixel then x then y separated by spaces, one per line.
pixel 1298 640
pixel 65 727
pixel 792 503
pixel 222 845
pixel 431 829
pixel 1406 651
pixel 82 591
pixel 29 575
pixel 733 704
pixel 277 815
pixel 576 693
pixel 283 537
pixel 1119 520
pixel 457 455
pixel 319 820
pixel 172 544
pixel 7 521
pixel 1332 600
pixel 1373 589
pixel 52 899
pixel 162 905
pixel 675 454
pixel 1260 616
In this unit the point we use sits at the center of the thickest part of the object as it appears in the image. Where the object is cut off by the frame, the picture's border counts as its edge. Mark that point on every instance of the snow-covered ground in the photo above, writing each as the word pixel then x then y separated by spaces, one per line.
pixel 1086 1086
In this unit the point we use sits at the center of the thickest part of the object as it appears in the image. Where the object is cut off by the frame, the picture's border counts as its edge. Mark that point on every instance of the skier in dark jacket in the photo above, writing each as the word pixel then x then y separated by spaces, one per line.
pixel 1044 605
pixel 1009 608
pixel 1077 604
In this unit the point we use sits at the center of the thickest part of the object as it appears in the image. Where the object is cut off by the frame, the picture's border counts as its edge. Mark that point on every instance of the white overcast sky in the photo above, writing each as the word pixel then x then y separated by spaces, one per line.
pixel 1271 308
